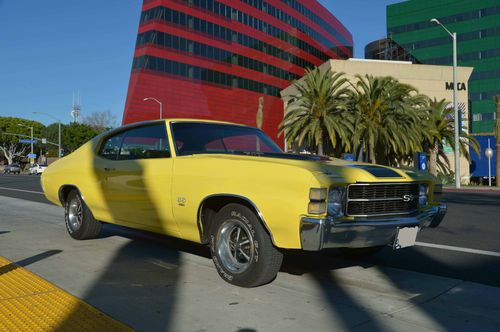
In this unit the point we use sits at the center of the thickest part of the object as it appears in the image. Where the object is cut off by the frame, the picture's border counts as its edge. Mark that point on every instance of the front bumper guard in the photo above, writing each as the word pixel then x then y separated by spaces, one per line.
pixel 322 233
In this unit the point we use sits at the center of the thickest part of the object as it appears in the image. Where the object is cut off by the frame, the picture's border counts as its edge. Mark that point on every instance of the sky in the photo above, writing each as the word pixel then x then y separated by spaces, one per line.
pixel 51 49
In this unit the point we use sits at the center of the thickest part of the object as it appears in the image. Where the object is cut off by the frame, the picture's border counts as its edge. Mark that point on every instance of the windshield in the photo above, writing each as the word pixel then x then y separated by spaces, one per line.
pixel 199 138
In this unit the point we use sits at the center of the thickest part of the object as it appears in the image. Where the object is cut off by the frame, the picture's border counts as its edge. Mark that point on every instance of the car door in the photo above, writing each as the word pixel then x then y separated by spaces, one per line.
pixel 136 183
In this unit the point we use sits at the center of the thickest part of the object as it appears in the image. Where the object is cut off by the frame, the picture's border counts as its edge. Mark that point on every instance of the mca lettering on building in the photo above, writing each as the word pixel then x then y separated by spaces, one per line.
pixel 460 86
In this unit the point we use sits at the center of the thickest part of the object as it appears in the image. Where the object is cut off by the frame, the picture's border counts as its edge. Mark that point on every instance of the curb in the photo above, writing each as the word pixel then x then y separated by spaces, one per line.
pixel 492 190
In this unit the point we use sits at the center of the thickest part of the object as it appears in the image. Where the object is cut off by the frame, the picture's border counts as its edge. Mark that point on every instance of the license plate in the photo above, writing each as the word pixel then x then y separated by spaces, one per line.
pixel 406 237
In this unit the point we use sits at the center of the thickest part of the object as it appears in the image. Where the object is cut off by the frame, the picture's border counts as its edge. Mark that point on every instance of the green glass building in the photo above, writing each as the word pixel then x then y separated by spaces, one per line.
pixel 477 24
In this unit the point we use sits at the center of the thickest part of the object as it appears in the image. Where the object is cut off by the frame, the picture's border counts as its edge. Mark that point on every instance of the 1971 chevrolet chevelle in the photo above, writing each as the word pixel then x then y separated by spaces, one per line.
pixel 230 186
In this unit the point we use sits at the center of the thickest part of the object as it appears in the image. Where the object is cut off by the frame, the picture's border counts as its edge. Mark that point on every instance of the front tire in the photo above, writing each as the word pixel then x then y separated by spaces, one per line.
pixel 80 222
pixel 241 248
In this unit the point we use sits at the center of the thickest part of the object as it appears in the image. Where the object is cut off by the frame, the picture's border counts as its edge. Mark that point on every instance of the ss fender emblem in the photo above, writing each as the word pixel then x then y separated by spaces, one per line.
pixel 181 201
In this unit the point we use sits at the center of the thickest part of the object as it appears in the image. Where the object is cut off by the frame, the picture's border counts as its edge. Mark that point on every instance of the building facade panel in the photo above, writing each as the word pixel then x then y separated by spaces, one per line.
pixel 214 59
pixel 477 24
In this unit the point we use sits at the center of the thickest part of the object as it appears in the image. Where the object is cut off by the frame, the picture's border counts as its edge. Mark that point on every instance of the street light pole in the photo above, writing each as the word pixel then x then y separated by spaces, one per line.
pixel 59 140
pixel 59 133
pixel 489 153
pixel 455 103
pixel 159 102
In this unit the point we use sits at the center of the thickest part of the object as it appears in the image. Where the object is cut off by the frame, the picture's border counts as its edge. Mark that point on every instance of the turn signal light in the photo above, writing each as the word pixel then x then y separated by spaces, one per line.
pixel 317 208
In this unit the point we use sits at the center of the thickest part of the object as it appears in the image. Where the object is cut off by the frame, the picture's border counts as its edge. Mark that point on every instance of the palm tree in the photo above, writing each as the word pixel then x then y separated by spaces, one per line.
pixel 386 119
pixel 318 112
pixel 439 130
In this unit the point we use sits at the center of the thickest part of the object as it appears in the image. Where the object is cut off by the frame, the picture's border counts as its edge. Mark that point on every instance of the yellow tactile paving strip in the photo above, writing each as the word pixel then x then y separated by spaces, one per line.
pixel 30 303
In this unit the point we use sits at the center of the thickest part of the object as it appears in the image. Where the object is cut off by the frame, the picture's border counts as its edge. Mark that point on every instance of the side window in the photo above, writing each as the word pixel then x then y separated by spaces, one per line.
pixel 144 143
pixel 111 147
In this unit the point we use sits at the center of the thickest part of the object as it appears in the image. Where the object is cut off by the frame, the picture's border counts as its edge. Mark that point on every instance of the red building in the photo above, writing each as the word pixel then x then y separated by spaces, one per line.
pixel 213 59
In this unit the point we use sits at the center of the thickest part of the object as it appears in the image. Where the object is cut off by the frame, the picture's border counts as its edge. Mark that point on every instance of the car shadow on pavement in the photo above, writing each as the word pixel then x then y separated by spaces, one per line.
pixel 139 286
pixel 4 232
pixel 356 315
pixel 480 269
pixel 447 309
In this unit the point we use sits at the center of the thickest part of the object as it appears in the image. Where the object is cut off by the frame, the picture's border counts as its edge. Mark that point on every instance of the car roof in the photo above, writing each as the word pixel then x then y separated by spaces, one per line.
pixel 168 121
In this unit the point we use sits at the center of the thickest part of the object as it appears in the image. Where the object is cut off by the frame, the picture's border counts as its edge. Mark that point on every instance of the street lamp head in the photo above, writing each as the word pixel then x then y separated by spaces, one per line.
pixel 145 99
pixel 434 20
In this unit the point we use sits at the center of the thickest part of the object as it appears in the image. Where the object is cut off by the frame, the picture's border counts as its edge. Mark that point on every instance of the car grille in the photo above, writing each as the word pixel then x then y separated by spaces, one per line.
pixel 381 199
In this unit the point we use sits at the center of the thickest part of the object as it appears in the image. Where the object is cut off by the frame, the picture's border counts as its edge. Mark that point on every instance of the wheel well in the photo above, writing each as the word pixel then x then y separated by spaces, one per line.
pixel 213 204
pixel 64 192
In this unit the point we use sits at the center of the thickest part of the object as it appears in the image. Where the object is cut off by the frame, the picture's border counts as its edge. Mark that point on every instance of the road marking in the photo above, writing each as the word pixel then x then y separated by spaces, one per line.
pixel 23 191
pixel 452 248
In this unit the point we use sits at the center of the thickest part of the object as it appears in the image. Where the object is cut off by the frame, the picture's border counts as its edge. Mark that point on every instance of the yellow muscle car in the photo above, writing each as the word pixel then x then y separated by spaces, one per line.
pixel 230 186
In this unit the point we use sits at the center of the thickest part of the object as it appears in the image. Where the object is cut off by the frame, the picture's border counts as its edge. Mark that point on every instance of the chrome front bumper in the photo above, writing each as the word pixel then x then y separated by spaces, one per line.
pixel 322 233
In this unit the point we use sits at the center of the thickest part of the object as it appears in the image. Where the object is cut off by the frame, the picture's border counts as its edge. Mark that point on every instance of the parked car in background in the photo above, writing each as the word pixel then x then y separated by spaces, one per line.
pixel 231 187
pixel 12 169
pixel 37 169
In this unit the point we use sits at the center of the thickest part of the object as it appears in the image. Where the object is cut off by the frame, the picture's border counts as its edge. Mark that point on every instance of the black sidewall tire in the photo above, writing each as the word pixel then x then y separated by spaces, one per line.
pixel 90 228
pixel 263 267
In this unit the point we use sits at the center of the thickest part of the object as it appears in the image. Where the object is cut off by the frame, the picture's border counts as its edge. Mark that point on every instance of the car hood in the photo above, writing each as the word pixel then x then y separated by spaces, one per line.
pixel 335 169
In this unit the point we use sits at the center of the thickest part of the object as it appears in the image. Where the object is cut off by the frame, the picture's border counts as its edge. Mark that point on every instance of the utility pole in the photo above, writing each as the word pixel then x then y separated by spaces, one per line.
pixel 31 129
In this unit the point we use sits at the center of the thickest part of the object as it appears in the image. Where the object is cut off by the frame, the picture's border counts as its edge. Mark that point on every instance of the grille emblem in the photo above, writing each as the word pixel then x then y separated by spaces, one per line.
pixel 407 198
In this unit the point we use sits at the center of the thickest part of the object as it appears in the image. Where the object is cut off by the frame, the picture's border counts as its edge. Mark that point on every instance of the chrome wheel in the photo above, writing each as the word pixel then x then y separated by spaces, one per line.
pixel 75 214
pixel 235 246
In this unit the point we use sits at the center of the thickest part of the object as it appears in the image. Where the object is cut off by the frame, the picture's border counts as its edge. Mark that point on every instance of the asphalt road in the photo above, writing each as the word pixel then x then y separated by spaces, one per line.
pixel 472 223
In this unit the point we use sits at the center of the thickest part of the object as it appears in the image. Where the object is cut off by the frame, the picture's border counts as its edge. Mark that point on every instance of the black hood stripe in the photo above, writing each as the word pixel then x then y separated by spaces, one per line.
pixel 380 172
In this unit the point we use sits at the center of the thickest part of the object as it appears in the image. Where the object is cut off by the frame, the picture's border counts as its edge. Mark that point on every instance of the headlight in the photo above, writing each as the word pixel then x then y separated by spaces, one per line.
pixel 317 194
pixel 336 197
pixel 423 195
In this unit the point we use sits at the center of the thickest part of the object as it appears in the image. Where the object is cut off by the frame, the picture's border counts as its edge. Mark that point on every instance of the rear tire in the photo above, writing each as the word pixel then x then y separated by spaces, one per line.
pixel 241 248
pixel 80 223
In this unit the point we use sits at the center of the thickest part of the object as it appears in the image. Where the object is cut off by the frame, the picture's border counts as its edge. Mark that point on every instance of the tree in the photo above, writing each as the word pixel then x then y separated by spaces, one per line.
pixel 11 132
pixel 386 119
pixel 76 134
pixel 100 121
pixel 497 136
pixel 439 130
pixel 318 112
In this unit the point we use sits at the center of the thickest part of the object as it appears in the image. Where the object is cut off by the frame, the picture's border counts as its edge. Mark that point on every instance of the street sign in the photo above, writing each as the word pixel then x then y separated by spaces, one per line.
pixel 27 140
pixel 31 155
pixel 44 141
pixel 422 161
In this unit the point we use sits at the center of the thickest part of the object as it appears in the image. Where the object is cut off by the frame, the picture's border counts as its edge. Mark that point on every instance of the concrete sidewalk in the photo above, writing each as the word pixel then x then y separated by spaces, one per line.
pixel 152 283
